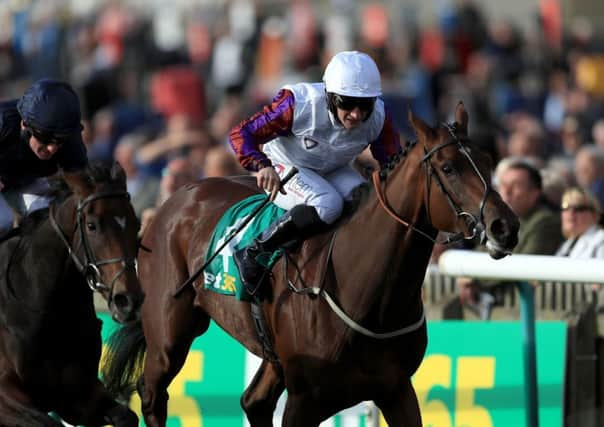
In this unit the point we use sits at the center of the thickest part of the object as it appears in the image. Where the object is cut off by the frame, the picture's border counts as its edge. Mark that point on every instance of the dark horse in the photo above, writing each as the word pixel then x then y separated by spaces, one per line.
pixel 50 337
pixel 371 269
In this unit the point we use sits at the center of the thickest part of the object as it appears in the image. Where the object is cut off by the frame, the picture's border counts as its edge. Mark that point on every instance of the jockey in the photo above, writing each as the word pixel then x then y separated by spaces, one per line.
pixel 318 128
pixel 39 133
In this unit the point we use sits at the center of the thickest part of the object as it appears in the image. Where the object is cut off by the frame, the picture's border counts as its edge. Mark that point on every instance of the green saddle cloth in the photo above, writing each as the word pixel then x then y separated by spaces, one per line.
pixel 222 275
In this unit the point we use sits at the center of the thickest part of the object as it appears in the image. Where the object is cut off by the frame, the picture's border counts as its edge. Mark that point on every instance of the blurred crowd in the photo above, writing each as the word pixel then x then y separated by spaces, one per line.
pixel 162 84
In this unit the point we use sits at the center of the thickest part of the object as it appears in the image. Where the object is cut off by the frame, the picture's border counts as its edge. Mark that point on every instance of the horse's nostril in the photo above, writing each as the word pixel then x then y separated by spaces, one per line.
pixel 499 229
pixel 504 232
pixel 122 302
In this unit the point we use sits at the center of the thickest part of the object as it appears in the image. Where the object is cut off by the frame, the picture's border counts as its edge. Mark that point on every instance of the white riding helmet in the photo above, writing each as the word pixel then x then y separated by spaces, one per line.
pixel 353 73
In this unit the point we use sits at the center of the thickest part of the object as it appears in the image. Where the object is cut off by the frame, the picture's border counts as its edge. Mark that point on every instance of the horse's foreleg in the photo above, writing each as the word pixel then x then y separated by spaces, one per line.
pixel 400 407
pixel 161 366
pixel 261 396
pixel 168 344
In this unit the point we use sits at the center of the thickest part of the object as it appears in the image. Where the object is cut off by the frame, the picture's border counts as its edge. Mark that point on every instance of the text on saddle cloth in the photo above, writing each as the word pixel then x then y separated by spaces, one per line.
pixel 222 275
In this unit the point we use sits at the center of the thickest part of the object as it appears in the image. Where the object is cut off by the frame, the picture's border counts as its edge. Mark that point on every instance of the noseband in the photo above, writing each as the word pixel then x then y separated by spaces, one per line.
pixel 477 224
pixel 90 267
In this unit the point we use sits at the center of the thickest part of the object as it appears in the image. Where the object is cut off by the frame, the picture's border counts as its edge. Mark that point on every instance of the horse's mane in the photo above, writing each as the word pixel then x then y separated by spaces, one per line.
pixel 397 157
pixel 95 173
pixel 362 192
pixel 99 173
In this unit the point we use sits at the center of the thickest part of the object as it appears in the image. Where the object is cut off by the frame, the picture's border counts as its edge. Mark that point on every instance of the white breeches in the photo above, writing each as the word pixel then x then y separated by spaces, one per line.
pixel 325 193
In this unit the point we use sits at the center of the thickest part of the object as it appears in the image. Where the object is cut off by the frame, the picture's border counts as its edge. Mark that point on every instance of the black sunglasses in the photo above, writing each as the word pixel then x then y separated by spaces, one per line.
pixel 349 103
pixel 578 208
pixel 47 138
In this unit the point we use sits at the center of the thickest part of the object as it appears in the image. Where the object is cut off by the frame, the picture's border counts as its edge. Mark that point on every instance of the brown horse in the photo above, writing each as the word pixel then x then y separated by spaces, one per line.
pixel 50 337
pixel 345 315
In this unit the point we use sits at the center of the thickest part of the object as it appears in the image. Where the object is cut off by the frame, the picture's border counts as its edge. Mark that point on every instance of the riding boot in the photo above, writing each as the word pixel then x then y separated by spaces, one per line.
pixel 295 225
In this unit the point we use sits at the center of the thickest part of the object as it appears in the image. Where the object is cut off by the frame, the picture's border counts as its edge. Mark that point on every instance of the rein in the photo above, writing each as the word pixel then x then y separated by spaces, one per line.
pixel 90 267
pixel 379 191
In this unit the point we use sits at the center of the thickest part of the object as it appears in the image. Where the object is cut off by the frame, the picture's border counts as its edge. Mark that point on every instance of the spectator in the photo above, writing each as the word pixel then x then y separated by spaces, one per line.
pixel 581 226
pixel 571 139
pixel 580 216
pixel 227 115
pixel 527 139
pixel 589 170
pixel 181 137
pixel 99 146
pixel 143 189
pixel 220 161
pixel 178 172
pixel 597 133
pixel 520 186
pixel 556 180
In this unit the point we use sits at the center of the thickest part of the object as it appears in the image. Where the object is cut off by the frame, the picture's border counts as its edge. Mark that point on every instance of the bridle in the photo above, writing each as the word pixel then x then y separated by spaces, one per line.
pixel 90 266
pixel 476 224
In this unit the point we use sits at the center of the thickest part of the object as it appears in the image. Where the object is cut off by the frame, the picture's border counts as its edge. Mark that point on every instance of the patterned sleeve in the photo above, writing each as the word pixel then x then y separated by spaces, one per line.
pixel 387 143
pixel 273 121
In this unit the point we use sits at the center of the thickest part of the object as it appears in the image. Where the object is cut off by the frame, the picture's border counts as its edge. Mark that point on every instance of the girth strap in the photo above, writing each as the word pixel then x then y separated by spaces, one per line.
pixel 262 330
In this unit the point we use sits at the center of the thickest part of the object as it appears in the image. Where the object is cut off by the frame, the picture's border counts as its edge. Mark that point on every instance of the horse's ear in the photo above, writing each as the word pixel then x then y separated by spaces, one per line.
pixel 118 174
pixel 461 117
pixel 79 182
pixel 423 131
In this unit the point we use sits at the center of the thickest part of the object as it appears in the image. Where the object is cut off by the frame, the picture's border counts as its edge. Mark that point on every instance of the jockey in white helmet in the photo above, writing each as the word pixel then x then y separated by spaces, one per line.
pixel 319 128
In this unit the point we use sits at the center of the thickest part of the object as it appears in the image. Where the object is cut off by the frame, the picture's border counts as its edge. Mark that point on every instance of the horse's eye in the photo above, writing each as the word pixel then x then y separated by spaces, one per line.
pixel 447 169
pixel 91 226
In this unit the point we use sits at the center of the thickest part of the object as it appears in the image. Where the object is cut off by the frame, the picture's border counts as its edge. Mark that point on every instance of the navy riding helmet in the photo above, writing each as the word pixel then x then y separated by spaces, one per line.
pixel 51 106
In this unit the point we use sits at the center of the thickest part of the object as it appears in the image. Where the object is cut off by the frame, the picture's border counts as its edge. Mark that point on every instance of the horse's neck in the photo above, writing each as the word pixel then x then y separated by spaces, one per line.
pixel 380 264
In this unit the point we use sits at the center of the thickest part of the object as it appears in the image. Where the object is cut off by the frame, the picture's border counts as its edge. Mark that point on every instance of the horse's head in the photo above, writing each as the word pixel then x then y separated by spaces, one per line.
pixel 459 197
pixel 106 232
